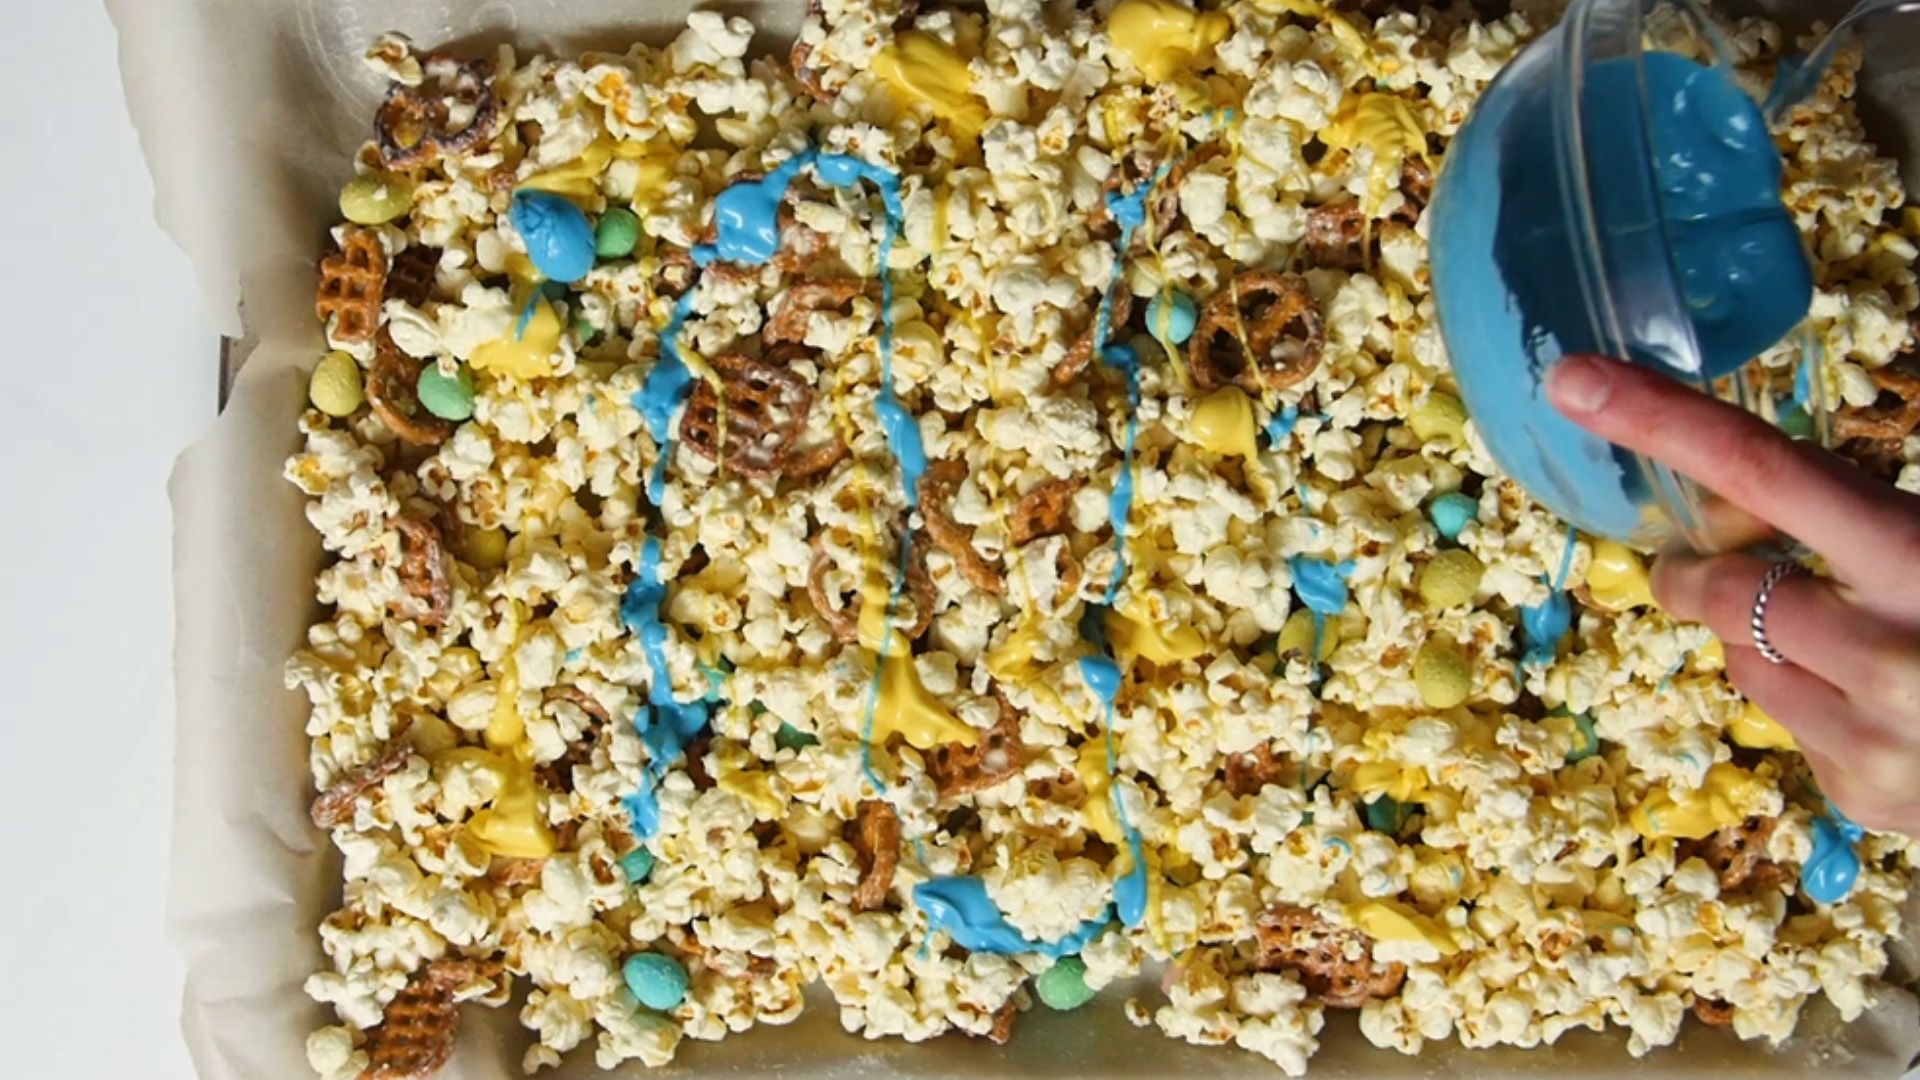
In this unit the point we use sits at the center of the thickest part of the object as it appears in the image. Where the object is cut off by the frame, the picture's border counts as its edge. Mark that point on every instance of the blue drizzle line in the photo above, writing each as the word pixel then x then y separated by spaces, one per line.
pixel 665 725
pixel 1102 671
pixel 1322 587
pixel 1832 869
pixel 1545 623
pixel 1282 424
pixel 660 396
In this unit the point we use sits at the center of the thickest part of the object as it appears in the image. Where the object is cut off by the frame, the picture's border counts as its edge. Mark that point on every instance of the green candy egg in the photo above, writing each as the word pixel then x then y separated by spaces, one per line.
pixel 1064 985
pixel 617 233
pixel 447 397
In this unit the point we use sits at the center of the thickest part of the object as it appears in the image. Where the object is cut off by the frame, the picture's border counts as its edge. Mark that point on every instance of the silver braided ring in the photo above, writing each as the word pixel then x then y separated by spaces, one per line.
pixel 1779 573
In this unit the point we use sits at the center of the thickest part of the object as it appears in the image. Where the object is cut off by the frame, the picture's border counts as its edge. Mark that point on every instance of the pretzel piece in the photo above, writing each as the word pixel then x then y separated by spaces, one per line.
pixel 1262 332
pixel 353 281
pixel 334 807
pixel 766 407
pixel 875 834
pixel 452 111
pixel 1334 962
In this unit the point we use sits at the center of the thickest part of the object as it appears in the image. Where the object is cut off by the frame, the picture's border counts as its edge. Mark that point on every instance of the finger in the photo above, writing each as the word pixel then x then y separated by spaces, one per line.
pixel 1873 811
pixel 1876 764
pixel 1726 527
pixel 1868 532
pixel 1807 620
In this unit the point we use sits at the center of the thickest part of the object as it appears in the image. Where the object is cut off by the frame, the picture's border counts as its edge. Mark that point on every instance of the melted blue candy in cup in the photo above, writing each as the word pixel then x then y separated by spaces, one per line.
pixel 1608 200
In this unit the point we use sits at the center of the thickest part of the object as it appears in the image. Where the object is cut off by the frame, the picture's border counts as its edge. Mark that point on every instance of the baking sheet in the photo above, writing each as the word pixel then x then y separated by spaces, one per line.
pixel 248 111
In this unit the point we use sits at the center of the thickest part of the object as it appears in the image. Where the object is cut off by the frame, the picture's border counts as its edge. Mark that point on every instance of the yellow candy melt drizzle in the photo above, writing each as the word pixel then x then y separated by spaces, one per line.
pixel 1618 580
pixel 1386 125
pixel 1754 729
pixel 1135 634
pixel 1385 920
pixel 512 826
pixel 1726 798
pixel 926 70
pixel 526 355
pixel 1159 38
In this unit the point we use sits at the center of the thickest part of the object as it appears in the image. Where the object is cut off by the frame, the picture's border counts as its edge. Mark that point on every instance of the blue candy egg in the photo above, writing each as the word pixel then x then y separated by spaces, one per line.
pixel 558 236
pixel 657 981
pixel 1451 512
pixel 637 865
pixel 1171 315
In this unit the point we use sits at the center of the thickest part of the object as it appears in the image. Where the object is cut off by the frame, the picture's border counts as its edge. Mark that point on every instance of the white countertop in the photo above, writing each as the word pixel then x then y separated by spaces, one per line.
pixel 114 375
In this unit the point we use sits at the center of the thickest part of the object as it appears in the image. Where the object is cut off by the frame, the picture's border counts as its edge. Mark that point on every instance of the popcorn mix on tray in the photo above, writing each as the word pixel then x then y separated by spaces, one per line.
pixel 976 508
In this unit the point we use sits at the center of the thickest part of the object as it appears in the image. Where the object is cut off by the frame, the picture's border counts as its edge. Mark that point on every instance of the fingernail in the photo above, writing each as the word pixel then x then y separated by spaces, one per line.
pixel 1579 384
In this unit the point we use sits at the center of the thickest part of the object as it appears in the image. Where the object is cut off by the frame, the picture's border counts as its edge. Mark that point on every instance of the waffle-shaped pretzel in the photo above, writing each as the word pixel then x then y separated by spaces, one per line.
pixel 1262 332
pixel 423 570
pixel 393 381
pixel 1738 853
pixel 1043 511
pixel 937 486
pixel 411 277
pixel 451 112
pixel 963 770
pixel 788 324
pixel 334 807
pixel 1337 236
pixel 1294 938
pixel 414 1038
pixel 766 410
pixel 1892 416
pixel 875 835
pixel 1119 310
pixel 352 282
pixel 843 618
pixel 1249 772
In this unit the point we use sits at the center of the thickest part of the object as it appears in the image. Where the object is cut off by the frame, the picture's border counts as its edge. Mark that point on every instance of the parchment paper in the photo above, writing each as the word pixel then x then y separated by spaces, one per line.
pixel 249 111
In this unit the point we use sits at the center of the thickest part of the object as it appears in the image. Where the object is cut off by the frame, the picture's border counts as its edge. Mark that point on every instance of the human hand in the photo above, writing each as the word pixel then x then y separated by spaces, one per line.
pixel 1850 687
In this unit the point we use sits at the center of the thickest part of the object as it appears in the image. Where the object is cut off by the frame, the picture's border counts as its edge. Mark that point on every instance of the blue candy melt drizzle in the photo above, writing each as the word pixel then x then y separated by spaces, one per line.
pixel 1322 587
pixel 558 236
pixel 666 725
pixel 1830 872
pixel 660 396
pixel 961 907
pixel 1282 424
pixel 1544 624
pixel 746 216
pixel 1130 892
pixel 901 428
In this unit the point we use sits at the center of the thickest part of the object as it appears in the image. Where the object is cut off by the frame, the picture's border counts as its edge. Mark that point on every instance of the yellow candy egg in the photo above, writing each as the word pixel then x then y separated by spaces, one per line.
pixel 1618 580
pixel 1296 636
pixel 1440 417
pixel 375 200
pixel 1442 673
pixel 1223 423
pixel 334 388
pixel 1450 578
pixel 485 549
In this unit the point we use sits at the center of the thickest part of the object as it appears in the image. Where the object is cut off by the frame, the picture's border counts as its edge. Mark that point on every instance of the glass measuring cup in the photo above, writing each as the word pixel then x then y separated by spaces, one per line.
pixel 1577 211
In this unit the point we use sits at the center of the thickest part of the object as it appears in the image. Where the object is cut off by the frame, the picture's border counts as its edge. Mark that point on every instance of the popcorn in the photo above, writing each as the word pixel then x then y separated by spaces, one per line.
pixel 1536 857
